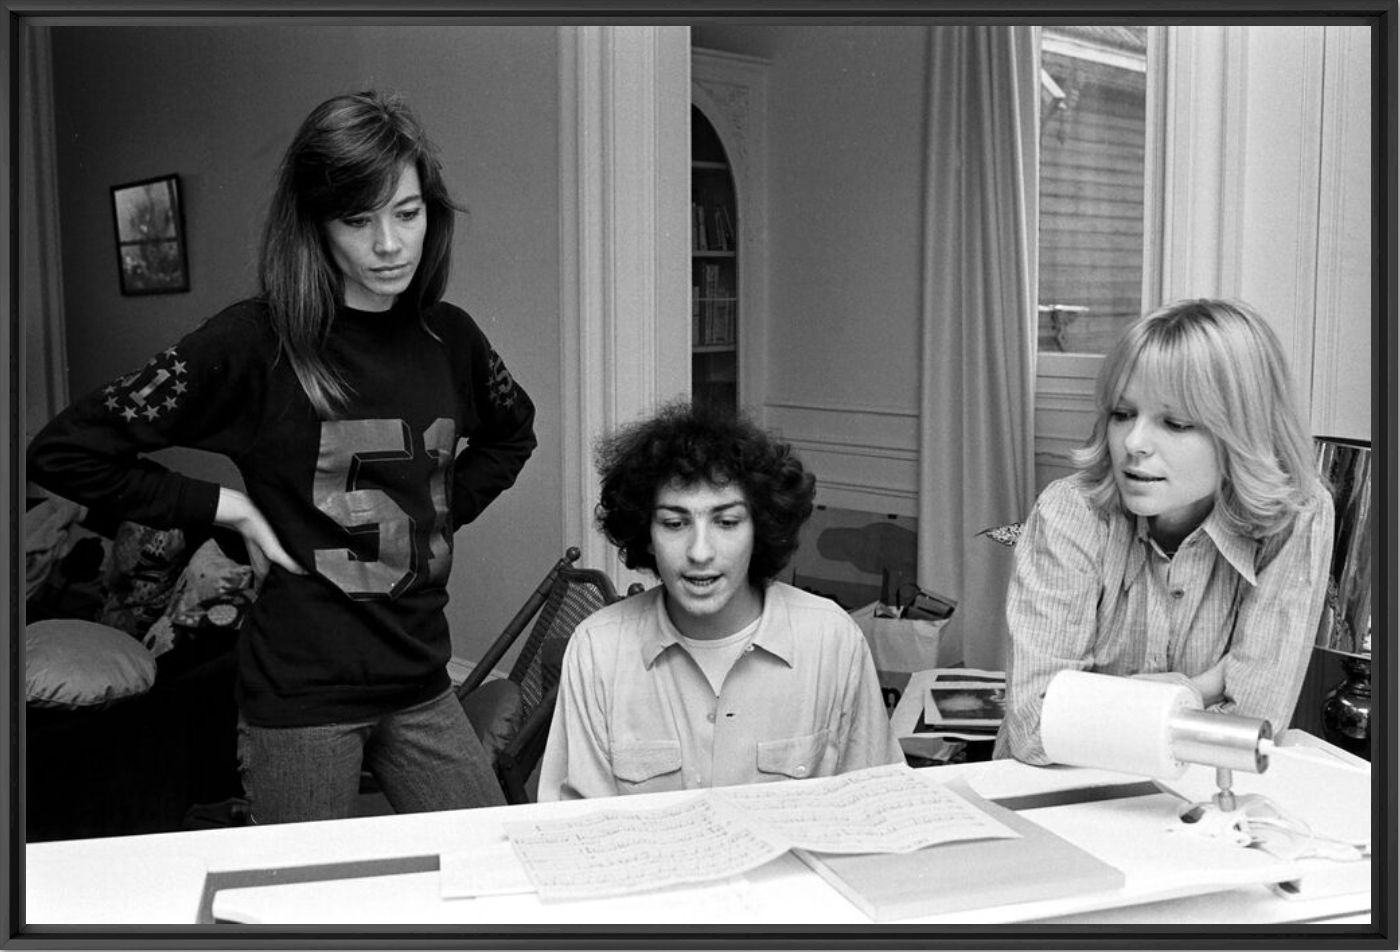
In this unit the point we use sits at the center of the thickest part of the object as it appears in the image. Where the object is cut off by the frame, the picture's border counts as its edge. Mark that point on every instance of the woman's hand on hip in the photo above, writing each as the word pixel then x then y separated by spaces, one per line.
pixel 238 512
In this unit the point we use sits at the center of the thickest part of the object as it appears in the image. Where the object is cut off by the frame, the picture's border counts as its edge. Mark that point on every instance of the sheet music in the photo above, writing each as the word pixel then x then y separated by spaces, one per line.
pixel 723 833
pixel 879 810
pixel 620 851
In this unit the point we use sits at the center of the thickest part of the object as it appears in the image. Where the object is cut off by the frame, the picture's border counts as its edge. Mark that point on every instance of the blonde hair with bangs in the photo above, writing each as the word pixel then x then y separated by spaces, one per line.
pixel 1222 365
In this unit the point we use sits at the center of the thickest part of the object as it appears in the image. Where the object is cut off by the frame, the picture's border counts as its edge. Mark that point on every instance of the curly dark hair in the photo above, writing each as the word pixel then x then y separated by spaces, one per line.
pixel 693 443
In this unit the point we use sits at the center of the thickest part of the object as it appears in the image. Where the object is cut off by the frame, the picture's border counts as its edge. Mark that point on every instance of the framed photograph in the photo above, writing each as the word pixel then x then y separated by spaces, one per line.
pixel 965 704
pixel 150 228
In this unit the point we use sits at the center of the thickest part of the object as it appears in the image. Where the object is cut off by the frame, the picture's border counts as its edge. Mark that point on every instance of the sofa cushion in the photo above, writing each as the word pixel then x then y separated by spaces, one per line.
pixel 496 712
pixel 71 663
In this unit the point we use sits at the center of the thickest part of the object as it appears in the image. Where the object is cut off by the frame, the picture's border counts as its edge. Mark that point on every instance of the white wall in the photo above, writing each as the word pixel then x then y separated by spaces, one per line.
pixel 217 104
pixel 845 158
pixel 1275 206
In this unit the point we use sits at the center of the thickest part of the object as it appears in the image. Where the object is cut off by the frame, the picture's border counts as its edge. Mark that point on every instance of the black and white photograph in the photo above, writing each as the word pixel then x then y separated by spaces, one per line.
pixel 803 475
pixel 150 236
pixel 965 704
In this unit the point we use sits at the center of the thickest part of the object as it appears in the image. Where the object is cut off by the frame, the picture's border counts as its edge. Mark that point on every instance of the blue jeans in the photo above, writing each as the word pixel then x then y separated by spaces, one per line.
pixel 425 757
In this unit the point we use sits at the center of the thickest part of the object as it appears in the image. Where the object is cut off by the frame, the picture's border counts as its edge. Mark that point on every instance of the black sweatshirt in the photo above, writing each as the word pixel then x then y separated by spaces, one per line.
pixel 366 503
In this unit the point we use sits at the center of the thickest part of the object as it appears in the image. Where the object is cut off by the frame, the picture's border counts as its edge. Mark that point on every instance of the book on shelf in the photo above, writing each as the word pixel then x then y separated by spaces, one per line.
pixel 724 230
pixel 699 236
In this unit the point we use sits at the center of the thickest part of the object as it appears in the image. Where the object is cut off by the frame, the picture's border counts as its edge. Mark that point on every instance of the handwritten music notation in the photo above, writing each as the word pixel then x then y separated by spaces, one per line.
pixel 888 809
pixel 725 832
pixel 617 852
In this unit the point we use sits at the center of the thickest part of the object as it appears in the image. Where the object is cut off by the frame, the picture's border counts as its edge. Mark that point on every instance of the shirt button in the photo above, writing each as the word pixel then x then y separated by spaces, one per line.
pixel 800 770
pixel 710 717
pixel 748 649
pixel 1177 593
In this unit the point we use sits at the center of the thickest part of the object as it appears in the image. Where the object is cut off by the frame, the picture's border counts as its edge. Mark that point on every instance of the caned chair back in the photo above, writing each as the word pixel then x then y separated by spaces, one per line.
pixel 574 595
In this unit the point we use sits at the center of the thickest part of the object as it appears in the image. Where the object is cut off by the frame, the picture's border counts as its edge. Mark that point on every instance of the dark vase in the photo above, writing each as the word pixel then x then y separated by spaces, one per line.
pixel 1345 628
pixel 1346 713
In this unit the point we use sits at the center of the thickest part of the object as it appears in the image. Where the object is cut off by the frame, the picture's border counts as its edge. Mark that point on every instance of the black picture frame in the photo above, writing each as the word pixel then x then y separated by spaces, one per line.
pixel 148 222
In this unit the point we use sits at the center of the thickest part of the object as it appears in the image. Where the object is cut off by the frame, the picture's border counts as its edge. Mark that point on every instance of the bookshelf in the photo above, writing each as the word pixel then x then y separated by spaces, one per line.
pixel 714 272
pixel 728 95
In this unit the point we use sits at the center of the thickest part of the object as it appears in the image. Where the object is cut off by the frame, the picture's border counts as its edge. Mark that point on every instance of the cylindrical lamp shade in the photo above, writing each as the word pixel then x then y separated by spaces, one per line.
pixel 1112 723
pixel 1143 726
pixel 1345 467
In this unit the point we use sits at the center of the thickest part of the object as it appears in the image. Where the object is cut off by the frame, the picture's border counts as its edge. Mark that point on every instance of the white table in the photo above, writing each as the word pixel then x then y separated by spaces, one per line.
pixel 169 878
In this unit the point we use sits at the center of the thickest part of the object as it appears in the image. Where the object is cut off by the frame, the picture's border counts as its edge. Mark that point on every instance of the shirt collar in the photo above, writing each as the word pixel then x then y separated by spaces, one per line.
pixel 774 634
pixel 1238 550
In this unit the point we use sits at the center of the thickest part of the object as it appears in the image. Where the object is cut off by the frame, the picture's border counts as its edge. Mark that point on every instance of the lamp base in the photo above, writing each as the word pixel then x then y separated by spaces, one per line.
pixel 1346 711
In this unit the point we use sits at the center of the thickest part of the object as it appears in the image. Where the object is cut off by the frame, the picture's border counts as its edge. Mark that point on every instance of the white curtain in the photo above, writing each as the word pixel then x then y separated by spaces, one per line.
pixel 45 373
pixel 976 453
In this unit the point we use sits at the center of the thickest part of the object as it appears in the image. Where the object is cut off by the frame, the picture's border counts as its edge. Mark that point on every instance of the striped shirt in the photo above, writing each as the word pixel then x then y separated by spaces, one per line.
pixel 1092 592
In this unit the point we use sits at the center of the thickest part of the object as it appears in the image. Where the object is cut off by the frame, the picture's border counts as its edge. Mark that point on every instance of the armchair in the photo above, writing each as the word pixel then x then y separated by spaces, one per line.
pixel 513 713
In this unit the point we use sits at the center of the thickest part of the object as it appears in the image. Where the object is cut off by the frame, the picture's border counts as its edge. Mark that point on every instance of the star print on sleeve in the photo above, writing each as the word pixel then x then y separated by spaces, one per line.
pixel 502 387
pixel 151 392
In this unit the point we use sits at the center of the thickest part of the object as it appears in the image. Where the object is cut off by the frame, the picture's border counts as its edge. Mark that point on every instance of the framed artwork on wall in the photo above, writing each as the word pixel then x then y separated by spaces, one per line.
pixel 150 230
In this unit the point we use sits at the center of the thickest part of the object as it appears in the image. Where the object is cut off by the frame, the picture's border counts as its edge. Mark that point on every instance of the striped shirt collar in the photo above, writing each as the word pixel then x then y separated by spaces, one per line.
pixel 774 635
pixel 1240 551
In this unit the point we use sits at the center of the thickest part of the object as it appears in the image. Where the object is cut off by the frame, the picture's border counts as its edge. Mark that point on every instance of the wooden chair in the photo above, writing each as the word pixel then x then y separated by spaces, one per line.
pixel 512 714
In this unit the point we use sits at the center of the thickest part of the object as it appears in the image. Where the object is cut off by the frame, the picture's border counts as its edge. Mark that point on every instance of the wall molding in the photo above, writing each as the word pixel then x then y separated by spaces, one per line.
pixel 820 406
pixel 624 240
pixel 867 458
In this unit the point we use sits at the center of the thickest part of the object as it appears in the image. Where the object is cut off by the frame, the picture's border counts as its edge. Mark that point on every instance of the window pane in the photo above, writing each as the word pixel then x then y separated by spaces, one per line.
pixel 1093 108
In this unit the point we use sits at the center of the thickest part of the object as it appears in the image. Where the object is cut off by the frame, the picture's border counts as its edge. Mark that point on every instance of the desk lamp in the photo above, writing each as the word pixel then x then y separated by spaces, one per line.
pixel 1154 728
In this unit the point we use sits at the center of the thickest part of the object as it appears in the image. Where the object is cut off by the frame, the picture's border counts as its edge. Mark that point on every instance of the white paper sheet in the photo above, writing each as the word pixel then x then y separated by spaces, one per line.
pixel 616 851
pixel 723 833
pixel 491 869
pixel 886 809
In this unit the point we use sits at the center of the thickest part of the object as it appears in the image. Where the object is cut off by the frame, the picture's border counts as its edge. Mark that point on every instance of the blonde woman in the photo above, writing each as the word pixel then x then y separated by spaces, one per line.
pixel 1193 543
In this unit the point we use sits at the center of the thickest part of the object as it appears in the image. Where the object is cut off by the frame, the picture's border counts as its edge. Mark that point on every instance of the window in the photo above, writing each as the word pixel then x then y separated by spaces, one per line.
pixel 1095 167
pixel 1093 125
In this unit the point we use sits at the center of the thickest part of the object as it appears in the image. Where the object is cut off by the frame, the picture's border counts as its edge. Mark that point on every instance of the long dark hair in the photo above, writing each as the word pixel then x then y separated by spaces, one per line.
pixel 345 158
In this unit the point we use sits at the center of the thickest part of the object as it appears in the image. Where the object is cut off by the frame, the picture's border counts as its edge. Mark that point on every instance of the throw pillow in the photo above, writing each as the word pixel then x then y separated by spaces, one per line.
pixel 141 573
pixel 496 712
pixel 71 663
pixel 213 590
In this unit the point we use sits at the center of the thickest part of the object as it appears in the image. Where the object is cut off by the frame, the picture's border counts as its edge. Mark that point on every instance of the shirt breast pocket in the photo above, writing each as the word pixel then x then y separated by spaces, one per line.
pixel 648 767
pixel 794 757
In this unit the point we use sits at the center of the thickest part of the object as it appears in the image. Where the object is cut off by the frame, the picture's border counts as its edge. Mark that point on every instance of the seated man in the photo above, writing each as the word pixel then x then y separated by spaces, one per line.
pixel 720 675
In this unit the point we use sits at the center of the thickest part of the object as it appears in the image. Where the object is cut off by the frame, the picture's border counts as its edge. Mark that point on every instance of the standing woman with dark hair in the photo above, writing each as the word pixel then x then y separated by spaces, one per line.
pixel 342 394
pixel 1194 542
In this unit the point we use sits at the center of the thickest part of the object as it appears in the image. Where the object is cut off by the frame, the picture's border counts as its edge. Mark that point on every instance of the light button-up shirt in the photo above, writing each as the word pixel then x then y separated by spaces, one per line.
pixel 636 714
pixel 1093 592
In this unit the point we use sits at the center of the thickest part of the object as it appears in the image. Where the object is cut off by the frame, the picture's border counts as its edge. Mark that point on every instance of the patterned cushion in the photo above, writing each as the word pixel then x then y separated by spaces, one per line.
pixel 145 564
pixel 212 591
pixel 1006 535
